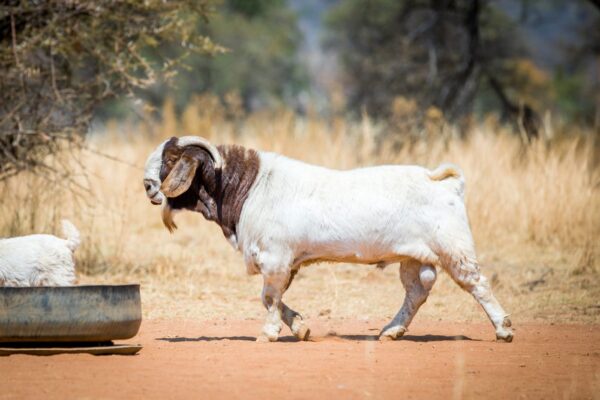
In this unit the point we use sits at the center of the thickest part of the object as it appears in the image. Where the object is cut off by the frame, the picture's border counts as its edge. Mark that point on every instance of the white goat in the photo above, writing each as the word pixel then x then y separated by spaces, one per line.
pixel 39 260
pixel 281 214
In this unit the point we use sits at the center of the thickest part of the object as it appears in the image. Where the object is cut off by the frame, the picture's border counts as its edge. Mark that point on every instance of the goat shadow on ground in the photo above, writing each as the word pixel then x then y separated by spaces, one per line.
pixel 409 338
pixel 218 338
pixel 288 339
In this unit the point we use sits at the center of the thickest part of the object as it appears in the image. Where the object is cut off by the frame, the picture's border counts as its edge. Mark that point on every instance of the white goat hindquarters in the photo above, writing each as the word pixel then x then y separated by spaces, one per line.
pixel 37 260
pixel 307 213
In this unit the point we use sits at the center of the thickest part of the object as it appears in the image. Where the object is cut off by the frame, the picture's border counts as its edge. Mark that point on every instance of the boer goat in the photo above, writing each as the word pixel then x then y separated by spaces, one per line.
pixel 39 260
pixel 282 213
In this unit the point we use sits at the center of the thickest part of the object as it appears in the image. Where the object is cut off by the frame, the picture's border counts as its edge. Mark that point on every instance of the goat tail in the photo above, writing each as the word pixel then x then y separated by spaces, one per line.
pixel 71 234
pixel 448 170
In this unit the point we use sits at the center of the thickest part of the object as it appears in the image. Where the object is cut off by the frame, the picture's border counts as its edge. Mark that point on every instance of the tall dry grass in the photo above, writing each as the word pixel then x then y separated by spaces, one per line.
pixel 534 212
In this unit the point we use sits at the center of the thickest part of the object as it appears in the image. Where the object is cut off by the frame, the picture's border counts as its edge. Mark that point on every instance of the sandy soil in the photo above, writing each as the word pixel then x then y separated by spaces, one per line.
pixel 220 359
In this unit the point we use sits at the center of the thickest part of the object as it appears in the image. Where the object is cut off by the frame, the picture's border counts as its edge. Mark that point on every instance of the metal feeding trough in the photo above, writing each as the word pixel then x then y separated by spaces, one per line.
pixel 74 319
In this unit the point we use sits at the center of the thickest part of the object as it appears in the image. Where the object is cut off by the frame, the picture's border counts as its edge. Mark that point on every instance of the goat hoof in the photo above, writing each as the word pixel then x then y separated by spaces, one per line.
pixel 262 338
pixel 302 332
pixel 505 336
pixel 392 333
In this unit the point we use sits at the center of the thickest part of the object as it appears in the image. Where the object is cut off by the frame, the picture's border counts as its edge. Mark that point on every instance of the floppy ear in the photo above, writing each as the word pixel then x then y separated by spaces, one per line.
pixel 181 176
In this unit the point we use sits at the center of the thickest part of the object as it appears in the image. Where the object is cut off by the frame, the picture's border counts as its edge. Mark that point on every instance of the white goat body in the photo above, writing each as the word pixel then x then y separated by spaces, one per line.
pixel 304 213
pixel 40 259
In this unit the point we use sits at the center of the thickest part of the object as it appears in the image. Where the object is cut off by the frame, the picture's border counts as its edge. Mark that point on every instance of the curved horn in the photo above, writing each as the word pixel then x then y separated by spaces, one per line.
pixel 199 141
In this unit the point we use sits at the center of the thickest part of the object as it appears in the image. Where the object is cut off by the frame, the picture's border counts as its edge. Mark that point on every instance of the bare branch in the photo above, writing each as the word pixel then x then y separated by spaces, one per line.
pixel 54 71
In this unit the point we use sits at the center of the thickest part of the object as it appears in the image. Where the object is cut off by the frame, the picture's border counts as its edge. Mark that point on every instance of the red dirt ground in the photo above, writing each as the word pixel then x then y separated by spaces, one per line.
pixel 219 359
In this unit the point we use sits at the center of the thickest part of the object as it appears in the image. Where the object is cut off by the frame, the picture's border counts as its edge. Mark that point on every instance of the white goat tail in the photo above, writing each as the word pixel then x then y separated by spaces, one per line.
pixel 71 234
pixel 446 171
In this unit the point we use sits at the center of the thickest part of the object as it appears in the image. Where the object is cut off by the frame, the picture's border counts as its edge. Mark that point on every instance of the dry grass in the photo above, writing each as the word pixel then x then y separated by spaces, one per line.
pixel 534 212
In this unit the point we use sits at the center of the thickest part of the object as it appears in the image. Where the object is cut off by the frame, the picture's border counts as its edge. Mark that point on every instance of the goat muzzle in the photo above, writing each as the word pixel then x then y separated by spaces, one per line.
pixel 153 191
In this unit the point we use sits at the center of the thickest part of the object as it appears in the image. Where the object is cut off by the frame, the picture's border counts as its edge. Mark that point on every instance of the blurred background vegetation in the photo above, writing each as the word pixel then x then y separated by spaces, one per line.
pixel 464 59
pixel 402 63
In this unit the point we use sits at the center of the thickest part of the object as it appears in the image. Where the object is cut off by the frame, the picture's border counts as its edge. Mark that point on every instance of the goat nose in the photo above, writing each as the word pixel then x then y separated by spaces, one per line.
pixel 151 187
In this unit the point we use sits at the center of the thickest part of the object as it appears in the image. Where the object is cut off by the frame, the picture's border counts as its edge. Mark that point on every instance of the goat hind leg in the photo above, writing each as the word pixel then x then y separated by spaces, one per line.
pixel 468 277
pixel 417 280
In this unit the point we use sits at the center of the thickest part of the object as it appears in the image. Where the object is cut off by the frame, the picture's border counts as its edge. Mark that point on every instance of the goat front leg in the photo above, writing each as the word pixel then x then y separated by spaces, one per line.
pixel 292 318
pixel 273 288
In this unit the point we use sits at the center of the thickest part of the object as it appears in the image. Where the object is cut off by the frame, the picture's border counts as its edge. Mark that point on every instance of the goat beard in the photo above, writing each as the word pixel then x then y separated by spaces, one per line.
pixel 167 217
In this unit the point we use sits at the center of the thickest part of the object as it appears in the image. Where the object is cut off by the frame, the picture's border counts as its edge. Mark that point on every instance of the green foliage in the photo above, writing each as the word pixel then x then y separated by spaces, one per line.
pixel 463 56
pixel 573 96
pixel 252 8
pixel 434 52
pixel 60 59
pixel 578 85
pixel 260 65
